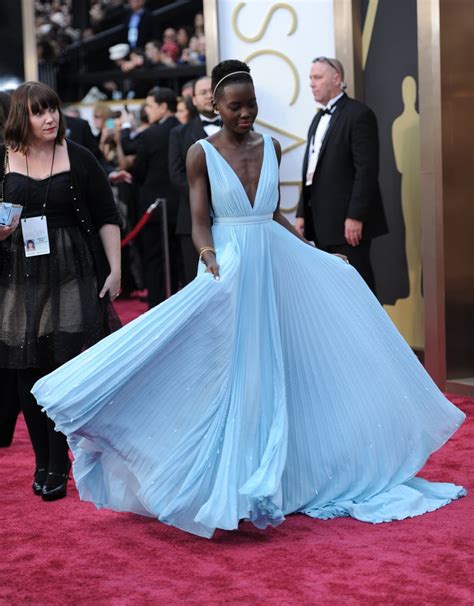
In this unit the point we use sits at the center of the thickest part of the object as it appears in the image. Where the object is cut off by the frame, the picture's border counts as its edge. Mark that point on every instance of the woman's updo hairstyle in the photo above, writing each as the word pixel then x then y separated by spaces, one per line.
pixel 229 72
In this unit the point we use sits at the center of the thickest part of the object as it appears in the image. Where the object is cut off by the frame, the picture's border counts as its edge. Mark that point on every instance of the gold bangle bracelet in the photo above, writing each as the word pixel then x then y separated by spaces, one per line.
pixel 205 249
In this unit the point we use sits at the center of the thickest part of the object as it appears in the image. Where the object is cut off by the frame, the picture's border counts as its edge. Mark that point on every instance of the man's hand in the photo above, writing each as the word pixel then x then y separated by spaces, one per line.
pixel 120 176
pixel 299 225
pixel 353 231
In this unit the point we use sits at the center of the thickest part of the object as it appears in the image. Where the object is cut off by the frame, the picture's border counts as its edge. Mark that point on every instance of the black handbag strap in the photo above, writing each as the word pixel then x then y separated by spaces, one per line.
pixel 3 168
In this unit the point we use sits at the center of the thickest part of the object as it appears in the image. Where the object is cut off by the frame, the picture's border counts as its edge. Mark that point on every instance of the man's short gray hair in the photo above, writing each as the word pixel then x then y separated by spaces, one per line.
pixel 336 65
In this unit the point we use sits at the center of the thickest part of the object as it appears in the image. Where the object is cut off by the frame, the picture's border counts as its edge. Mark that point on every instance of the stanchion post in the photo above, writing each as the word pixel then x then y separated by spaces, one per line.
pixel 166 247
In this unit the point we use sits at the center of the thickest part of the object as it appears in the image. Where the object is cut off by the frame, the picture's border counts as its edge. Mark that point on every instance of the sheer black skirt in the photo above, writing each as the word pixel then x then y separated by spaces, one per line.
pixel 49 305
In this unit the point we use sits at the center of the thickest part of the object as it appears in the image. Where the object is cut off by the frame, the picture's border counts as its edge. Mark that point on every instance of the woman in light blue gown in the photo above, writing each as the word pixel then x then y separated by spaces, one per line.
pixel 273 383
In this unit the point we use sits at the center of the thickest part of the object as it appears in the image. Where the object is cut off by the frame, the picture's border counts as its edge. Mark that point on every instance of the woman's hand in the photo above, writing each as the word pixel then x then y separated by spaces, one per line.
pixel 299 225
pixel 7 230
pixel 111 286
pixel 212 267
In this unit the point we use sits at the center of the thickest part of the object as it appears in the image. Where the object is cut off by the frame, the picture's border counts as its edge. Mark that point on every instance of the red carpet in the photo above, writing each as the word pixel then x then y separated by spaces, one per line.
pixel 67 553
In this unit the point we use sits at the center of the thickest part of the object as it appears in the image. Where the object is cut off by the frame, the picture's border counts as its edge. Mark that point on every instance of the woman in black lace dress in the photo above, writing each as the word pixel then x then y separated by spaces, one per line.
pixel 54 304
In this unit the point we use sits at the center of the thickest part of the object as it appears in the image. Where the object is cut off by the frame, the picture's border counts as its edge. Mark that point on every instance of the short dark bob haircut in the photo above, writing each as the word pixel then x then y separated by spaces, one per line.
pixel 37 97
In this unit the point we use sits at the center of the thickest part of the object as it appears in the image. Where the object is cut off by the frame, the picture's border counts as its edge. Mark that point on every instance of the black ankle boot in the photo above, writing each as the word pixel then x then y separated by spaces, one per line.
pixel 39 480
pixel 55 486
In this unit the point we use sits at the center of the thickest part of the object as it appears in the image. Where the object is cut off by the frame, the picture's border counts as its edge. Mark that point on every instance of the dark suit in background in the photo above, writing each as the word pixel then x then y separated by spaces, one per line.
pixel 145 30
pixel 79 131
pixel 152 177
pixel 181 139
pixel 345 185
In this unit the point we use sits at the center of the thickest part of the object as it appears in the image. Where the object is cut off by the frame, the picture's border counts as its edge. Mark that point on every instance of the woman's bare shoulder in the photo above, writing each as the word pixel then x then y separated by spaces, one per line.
pixel 195 160
pixel 277 146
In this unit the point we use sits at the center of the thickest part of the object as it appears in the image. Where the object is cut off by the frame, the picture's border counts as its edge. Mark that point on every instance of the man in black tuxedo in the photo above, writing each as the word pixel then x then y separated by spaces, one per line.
pixel 151 174
pixel 341 206
pixel 181 139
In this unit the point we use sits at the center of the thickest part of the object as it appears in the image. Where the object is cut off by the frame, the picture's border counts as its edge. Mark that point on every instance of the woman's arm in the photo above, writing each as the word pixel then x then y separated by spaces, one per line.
pixel 199 201
pixel 96 195
pixel 283 221
pixel 110 237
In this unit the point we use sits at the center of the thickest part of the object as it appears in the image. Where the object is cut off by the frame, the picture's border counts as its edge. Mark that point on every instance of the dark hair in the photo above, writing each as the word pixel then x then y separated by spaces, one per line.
pixel 190 83
pixel 164 95
pixel 191 108
pixel 223 69
pixel 5 102
pixel 193 112
pixel 45 50
pixel 143 114
pixel 37 97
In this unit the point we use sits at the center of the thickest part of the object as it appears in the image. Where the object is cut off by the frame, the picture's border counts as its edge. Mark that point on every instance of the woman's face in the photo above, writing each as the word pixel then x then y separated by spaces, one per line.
pixel 182 112
pixel 199 21
pixel 182 37
pixel 44 125
pixel 237 105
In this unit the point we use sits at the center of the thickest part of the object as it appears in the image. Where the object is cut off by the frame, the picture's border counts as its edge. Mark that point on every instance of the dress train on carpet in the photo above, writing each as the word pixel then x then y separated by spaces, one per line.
pixel 284 387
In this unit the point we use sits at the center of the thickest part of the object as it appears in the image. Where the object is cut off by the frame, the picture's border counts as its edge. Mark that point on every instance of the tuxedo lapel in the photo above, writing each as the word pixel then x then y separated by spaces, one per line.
pixel 334 118
pixel 197 130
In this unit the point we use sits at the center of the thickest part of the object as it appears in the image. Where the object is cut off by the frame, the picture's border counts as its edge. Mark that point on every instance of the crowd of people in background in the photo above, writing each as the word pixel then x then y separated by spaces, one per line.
pixel 142 45
pixel 119 140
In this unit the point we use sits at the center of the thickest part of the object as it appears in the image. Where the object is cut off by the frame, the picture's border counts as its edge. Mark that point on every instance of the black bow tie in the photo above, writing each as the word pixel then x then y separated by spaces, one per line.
pixel 215 122
pixel 325 111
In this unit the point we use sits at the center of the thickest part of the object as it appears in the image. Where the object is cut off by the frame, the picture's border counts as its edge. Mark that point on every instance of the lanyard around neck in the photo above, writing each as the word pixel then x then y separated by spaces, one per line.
pixel 47 187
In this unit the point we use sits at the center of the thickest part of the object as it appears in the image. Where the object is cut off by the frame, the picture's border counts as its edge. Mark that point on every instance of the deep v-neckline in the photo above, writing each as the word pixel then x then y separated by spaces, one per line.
pixel 251 204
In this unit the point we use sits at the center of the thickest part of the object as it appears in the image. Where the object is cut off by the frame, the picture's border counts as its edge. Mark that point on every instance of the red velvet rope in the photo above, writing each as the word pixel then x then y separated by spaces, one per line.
pixel 139 226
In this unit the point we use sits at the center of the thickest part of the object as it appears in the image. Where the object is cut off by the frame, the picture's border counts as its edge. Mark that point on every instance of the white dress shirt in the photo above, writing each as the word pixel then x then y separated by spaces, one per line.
pixel 318 137
pixel 210 129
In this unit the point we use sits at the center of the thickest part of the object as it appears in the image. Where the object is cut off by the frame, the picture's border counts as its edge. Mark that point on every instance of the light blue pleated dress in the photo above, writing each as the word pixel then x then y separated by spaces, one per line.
pixel 284 387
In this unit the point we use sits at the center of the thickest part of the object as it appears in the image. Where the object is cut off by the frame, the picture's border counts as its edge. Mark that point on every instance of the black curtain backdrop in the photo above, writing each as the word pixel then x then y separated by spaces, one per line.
pixel 393 55
pixel 11 36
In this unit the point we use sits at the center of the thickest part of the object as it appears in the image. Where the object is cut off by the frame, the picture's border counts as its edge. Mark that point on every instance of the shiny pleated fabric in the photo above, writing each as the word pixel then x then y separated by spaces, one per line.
pixel 284 387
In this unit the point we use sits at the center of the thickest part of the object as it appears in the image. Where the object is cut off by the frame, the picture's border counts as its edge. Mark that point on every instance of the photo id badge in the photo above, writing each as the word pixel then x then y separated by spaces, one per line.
pixel 35 236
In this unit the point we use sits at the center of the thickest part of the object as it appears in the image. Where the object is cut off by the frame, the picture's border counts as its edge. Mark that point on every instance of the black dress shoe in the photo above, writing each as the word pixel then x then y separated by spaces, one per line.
pixel 39 480
pixel 55 486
